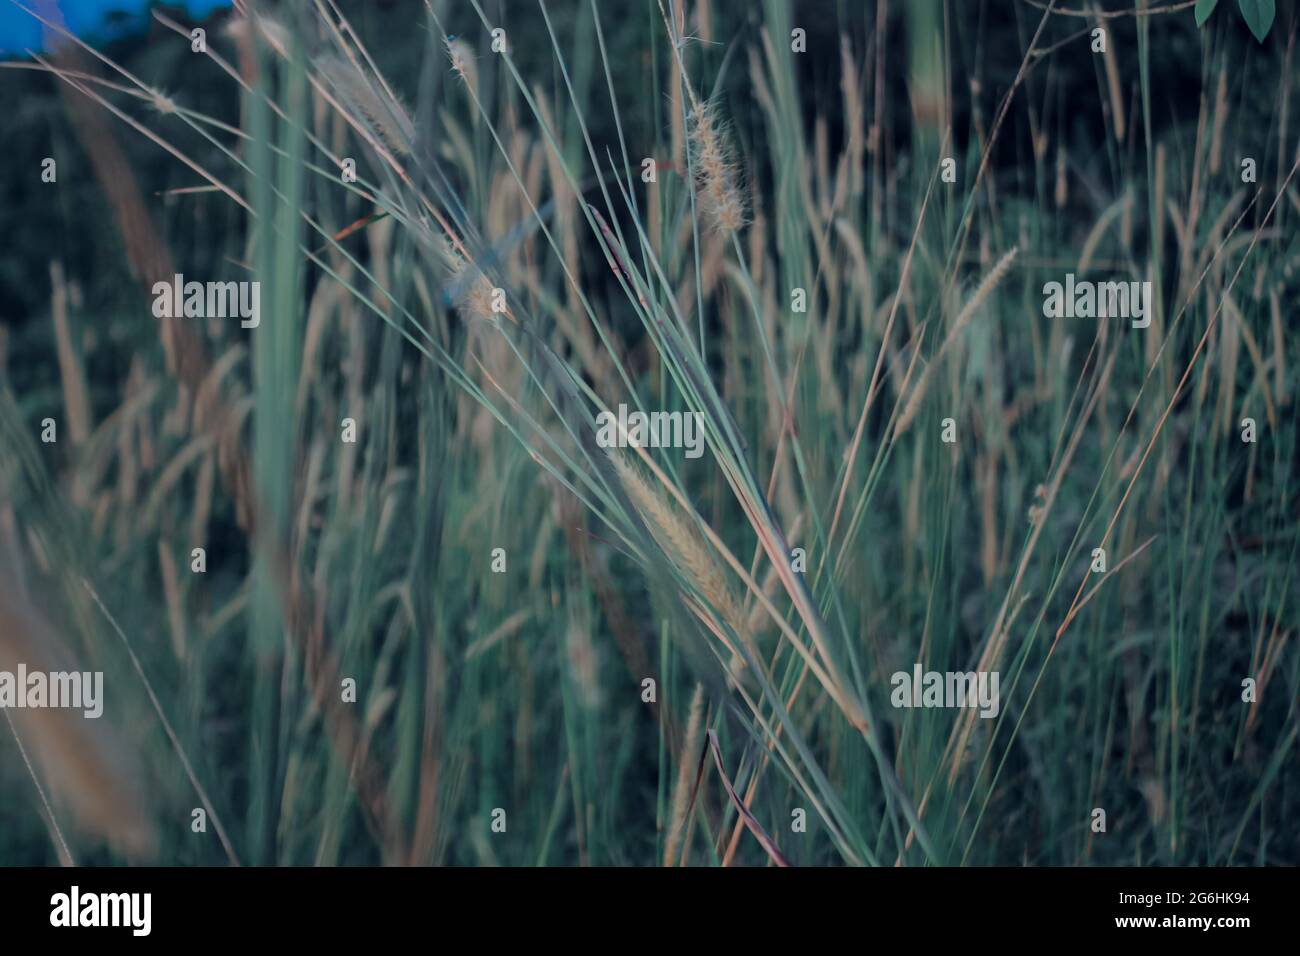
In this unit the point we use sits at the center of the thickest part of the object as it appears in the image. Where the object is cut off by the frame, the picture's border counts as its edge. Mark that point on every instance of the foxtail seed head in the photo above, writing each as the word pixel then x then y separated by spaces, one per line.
pixel 720 199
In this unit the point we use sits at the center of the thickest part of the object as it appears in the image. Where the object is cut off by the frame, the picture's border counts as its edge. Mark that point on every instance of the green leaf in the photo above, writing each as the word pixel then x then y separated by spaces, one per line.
pixel 1258 15
pixel 1203 10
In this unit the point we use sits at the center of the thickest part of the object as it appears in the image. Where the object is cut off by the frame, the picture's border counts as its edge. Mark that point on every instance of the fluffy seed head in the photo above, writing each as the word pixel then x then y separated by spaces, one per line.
pixel 683 543
pixel 162 102
pixel 462 63
pixel 720 200
pixel 380 114
pixel 468 286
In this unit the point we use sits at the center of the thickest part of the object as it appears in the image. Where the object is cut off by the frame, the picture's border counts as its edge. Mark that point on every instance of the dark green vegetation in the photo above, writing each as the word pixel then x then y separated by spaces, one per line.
pixel 522 690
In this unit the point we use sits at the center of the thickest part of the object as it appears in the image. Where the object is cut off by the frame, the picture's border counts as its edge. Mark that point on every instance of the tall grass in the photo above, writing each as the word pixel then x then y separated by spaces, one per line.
pixel 525 690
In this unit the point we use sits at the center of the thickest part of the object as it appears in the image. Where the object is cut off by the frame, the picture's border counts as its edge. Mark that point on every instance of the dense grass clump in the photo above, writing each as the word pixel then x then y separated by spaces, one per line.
pixel 429 594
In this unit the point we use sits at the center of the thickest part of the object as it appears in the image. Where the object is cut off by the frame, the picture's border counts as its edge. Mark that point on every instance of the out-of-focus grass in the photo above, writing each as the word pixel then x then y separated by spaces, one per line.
pixel 523 690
